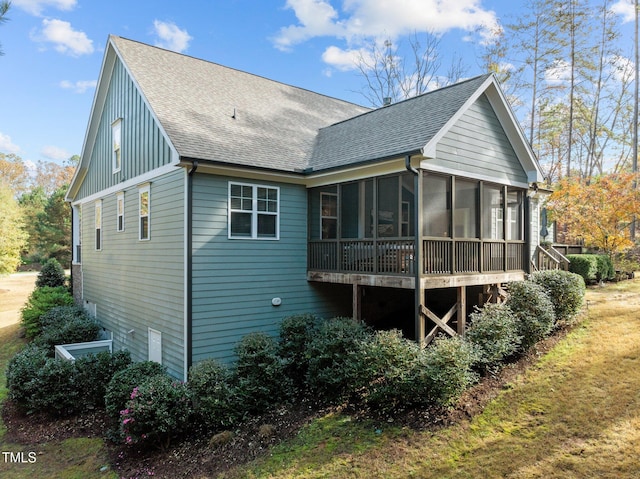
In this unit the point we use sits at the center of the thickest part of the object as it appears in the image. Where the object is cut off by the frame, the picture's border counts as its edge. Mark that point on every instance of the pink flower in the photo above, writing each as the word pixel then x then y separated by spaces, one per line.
pixel 134 393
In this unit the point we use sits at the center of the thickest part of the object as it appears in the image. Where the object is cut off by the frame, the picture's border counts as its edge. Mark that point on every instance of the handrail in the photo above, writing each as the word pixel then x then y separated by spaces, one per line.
pixel 540 249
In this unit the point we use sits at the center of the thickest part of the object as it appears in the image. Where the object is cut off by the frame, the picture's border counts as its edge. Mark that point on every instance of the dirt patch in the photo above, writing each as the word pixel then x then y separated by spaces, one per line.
pixel 14 291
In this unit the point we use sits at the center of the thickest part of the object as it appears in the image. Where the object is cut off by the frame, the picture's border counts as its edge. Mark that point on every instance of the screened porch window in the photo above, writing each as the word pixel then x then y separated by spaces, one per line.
pixel 514 214
pixel 493 212
pixel 329 215
pixel 436 204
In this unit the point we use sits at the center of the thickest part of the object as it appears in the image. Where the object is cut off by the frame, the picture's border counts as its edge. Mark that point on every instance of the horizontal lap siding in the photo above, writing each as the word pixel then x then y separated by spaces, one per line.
pixel 477 144
pixel 140 284
pixel 143 146
pixel 234 281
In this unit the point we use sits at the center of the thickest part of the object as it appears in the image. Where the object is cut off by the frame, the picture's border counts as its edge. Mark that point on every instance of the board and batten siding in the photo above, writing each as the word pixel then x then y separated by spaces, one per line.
pixel 143 146
pixel 135 284
pixel 235 280
pixel 477 146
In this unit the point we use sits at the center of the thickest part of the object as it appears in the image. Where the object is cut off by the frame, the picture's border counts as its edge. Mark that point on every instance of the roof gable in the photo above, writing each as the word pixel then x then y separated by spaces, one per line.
pixel 216 113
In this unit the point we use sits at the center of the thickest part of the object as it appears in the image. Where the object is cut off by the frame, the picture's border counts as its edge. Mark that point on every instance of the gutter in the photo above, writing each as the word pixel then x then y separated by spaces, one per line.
pixel 189 267
pixel 417 253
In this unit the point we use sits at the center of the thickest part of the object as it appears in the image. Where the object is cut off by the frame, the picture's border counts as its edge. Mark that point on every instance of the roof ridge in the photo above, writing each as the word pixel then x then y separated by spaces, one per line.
pixel 226 67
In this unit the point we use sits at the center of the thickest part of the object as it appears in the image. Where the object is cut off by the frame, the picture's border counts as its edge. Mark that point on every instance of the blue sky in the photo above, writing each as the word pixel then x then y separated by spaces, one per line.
pixel 53 49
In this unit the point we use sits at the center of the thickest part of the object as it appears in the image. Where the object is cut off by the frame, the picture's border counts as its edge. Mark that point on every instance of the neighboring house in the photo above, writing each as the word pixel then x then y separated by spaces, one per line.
pixel 210 203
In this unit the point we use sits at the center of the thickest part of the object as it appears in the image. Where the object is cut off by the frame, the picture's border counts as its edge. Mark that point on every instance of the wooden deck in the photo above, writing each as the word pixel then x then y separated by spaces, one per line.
pixel 390 262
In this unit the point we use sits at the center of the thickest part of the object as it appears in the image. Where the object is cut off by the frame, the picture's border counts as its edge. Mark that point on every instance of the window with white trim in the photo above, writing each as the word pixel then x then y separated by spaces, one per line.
pixel 120 212
pixel 254 211
pixel 98 225
pixel 116 136
pixel 329 215
pixel 144 212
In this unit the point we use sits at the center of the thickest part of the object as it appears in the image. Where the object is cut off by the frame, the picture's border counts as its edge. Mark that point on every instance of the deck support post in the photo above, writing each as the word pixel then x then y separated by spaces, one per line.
pixel 421 322
pixel 357 302
pixel 462 310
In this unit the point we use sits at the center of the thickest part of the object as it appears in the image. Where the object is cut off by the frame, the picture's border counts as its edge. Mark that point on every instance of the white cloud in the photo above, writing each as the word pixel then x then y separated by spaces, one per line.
pixel 35 7
pixel 171 37
pixel 54 153
pixel 65 38
pixel 346 59
pixel 79 86
pixel 366 19
pixel 8 146
pixel 626 9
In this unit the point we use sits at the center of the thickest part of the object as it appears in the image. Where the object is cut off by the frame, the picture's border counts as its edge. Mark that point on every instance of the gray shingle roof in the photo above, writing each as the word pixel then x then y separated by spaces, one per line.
pixel 278 126
pixel 275 125
pixel 398 129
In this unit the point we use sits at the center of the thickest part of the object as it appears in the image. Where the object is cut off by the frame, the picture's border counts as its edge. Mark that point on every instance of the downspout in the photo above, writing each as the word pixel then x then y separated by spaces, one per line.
pixel 189 272
pixel 417 253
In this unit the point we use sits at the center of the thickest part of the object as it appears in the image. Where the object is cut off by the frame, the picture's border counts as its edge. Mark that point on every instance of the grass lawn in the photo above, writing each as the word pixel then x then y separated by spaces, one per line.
pixel 575 414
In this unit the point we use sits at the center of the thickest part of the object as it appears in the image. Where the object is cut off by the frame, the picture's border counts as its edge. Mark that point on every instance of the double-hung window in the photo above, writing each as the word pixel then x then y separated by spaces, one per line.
pixel 116 137
pixel 253 211
pixel 120 212
pixel 98 224
pixel 144 205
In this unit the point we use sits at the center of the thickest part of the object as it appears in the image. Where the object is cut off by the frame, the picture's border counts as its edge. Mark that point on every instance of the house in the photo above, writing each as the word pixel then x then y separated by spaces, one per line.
pixel 209 203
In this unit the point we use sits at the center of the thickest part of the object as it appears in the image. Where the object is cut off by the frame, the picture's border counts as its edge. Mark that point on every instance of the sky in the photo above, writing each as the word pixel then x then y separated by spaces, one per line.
pixel 53 49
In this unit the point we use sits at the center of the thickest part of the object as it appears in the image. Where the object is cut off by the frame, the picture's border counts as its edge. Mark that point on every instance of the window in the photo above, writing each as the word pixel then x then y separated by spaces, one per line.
pixel 466 201
pixel 120 212
pixel 98 224
pixel 493 207
pixel 253 211
pixel 116 135
pixel 329 215
pixel 145 209
pixel 436 200
pixel 514 214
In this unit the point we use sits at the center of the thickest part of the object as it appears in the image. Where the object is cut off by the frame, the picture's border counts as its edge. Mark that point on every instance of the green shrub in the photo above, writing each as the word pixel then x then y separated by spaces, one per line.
pixel 159 410
pixel 333 359
pixel 565 290
pixel 40 301
pixel 296 333
pixel 66 325
pixel 447 369
pixel 57 392
pixel 259 373
pixel 51 275
pixel 22 372
pixel 94 371
pixel 585 265
pixel 214 398
pixel 119 388
pixel 606 271
pixel 533 311
pixel 494 333
pixel 390 376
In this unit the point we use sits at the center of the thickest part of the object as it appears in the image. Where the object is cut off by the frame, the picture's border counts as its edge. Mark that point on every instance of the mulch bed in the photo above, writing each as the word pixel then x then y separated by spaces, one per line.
pixel 205 456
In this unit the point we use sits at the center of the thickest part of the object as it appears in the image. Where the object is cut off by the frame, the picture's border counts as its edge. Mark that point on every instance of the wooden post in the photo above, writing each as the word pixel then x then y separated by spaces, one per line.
pixel 421 322
pixel 357 302
pixel 462 309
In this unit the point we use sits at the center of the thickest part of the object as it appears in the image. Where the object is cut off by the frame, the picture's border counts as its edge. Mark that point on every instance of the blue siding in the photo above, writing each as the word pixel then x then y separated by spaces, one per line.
pixel 135 284
pixel 144 148
pixel 478 146
pixel 234 281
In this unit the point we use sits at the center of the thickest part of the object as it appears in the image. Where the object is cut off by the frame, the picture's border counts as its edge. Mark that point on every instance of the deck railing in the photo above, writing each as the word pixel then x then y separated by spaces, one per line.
pixel 396 256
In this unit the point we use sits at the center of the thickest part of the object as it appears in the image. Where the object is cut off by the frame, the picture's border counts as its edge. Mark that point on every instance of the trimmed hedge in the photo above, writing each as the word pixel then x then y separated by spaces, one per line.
pixel 214 398
pixel 41 301
pixel 65 325
pixel 533 311
pixel 592 267
pixel 565 290
pixel 494 333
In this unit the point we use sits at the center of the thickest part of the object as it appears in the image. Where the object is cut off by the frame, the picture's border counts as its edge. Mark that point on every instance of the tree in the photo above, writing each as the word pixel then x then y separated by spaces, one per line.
pixel 600 211
pixel 4 8
pixel 32 205
pixel 13 173
pixel 54 228
pixel 391 76
pixel 51 176
pixel 12 235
